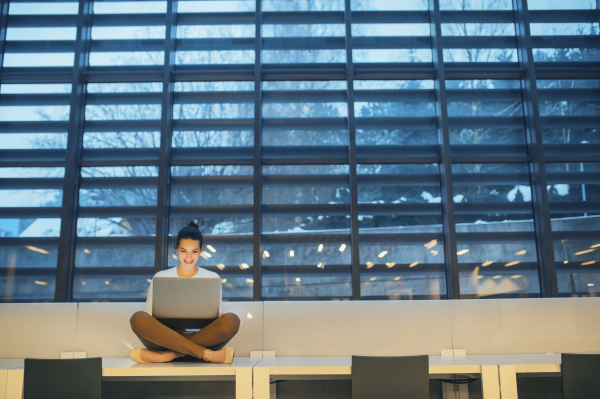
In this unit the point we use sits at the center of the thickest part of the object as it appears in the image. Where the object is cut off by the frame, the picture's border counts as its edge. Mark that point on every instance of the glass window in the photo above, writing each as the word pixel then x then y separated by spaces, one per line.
pixel 494 231
pixel 574 191
pixel 398 113
pixel 213 114
pixel 29 241
pixel 304 113
pixel 400 232
pixel 306 232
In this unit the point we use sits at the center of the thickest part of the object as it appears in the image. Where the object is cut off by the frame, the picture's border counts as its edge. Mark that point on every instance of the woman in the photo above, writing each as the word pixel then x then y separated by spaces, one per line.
pixel 164 344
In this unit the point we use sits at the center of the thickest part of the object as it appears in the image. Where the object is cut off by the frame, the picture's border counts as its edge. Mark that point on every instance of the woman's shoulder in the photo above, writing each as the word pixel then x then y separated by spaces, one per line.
pixel 170 272
pixel 203 273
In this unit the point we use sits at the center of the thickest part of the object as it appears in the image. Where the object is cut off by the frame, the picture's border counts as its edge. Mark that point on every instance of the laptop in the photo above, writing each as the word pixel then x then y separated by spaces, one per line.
pixel 182 303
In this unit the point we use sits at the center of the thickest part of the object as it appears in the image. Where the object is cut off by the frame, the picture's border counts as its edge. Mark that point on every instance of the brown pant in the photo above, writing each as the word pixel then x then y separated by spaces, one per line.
pixel 156 336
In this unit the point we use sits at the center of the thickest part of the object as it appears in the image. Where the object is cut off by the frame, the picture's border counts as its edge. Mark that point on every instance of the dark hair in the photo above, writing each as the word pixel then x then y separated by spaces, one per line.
pixel 191 232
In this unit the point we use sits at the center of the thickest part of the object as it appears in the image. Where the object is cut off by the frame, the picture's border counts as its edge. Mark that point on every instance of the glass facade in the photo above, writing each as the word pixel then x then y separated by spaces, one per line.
pixel 329 150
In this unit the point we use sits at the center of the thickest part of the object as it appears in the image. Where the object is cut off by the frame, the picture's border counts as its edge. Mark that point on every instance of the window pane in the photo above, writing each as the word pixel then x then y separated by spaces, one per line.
pixel 400 226
pixel 574 192
pixel 494 227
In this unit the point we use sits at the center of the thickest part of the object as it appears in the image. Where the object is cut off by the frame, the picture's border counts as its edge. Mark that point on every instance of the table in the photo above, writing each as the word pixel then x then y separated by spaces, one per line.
pixel 510 365
pixel 124 368
pixel 341 367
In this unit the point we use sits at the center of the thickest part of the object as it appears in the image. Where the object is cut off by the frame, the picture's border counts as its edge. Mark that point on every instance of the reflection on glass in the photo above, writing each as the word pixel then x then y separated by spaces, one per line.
pixel 29 272
pixel 494 227
pixel 573 189
pixel 471 100
pixel 401 250
pixel 566 102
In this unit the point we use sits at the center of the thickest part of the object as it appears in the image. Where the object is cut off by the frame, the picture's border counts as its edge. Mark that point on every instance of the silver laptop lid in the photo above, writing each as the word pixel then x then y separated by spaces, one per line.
pixel 186 298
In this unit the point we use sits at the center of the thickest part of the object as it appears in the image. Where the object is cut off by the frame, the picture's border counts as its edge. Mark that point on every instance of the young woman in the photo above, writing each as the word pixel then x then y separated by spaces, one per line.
pixel 164 344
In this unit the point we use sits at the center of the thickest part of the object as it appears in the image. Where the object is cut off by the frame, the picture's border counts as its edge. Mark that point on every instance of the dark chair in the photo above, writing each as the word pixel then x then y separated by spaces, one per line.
pixel 63 378
pixel 580 376
pixel 402 377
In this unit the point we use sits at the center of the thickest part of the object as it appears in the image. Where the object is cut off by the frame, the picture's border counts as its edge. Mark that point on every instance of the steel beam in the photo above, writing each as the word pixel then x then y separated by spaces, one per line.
pixel 535 147
pixel 352 158
pixel 70 205
pixel 161 251
pixel 258 154
pixel 450 257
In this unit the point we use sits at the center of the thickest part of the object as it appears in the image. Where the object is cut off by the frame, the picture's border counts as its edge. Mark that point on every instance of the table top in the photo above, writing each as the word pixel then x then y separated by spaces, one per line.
pixel 125 367
pixel 437 364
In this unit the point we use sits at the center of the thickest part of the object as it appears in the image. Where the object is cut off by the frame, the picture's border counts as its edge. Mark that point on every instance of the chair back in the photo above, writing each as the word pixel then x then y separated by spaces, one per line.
pixel 580 376
pixel 63 378
pixel 397 377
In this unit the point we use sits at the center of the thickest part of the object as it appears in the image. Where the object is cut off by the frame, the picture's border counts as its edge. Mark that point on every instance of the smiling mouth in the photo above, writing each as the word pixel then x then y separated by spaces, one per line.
pixel 187 261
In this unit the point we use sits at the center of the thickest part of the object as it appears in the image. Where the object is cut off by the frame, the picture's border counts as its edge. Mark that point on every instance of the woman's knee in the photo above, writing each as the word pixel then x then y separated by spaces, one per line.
pixel 232 321
pixel 138 320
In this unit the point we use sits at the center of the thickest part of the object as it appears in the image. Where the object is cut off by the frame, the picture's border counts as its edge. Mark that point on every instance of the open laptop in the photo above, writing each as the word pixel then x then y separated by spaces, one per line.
pixel 181 303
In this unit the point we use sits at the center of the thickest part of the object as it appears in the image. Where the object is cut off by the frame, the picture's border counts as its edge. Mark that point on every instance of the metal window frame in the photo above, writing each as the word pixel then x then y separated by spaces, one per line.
pixel 535 154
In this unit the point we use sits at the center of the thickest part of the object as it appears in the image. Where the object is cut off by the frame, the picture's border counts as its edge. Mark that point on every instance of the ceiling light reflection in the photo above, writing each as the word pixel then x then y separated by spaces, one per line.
pixel 211 249
pixel 462 252
pixel 516 262
pixel 431 244
pixel 382 254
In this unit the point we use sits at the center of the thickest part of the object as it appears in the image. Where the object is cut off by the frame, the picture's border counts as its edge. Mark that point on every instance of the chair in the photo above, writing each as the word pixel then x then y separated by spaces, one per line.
pixel 63 378
pixel 402 377
pixel 580 376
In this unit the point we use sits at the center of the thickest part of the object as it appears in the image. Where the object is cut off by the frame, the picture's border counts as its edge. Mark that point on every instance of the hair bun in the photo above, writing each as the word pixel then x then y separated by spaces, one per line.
pixel 193 225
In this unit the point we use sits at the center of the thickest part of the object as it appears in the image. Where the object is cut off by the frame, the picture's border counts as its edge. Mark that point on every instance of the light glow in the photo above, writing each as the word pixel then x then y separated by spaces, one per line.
pixel 297 279
pixel 587 251
pixel 149 280
pixel 487 263
pixel 249 315
pixel 590 262
pixel 382 254
pixel 397 278
pixel 431 244
pixel 250 281
pixel 590 284
pixel 342 247
pixel 516 262
pixel 244 266
pixel 462 252
pixel 205 255
pixel 211 249
pixel 320 265
pixel 370 265
pixel 413 264
pixel 390 264
pixel 40 282
pixel 320 249
pixel 223 280
pixel 291 253
pixel 87 251
pixel 107 282
pixel 595 246
pixel 516 276
pixel 220 266
pixel 496 277
pixel 521 252
pixel 266 254
pixel 36 249
pixel 373 279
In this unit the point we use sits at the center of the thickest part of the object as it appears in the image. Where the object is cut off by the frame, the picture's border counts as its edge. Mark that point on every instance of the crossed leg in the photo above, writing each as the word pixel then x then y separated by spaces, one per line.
pixel 158 337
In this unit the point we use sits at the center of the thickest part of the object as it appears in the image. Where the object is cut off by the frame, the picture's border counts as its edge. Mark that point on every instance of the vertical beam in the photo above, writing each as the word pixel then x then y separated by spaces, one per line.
pixel 161 251
pixel 535 149
pixel 257 209
pixel 70 203
pixel 450 257
pixel 352 155
pixel 4 4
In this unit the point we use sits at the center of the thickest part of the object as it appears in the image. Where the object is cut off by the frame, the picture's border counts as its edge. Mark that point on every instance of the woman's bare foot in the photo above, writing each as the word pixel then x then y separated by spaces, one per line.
pixel 222 356
pixel 148 356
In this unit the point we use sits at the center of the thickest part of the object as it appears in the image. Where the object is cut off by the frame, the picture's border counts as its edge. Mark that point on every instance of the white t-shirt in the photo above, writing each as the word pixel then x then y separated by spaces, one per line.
pixel 172 272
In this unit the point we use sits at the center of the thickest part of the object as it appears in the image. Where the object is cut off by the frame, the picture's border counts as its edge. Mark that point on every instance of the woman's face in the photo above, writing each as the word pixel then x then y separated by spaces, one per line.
pixel 189 251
